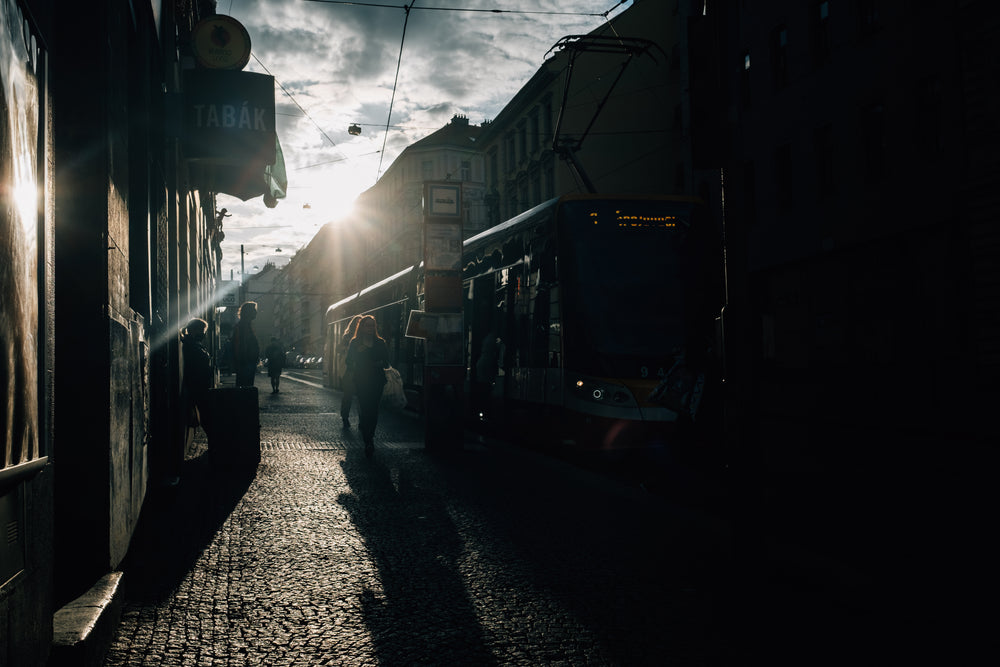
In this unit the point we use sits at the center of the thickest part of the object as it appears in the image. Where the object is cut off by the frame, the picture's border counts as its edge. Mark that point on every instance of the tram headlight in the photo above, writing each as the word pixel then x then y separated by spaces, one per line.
pixel 602 391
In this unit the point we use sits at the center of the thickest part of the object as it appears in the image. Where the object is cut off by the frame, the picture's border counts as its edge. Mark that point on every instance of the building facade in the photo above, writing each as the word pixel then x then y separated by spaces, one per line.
pixel 108 229
pixel 860 208
pixel 606 111
pixel 392 210
pixel 383 236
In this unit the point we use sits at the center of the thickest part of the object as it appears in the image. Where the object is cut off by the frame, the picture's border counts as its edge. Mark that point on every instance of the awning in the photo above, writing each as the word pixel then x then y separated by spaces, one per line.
pixel 245 181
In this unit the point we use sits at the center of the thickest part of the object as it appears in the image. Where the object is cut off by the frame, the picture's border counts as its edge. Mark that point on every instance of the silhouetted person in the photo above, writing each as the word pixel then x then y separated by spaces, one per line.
pixel 275 355
pixel 367 359
pixel 246 349
pixel 346 381
pixel 486 373
pixel 198 376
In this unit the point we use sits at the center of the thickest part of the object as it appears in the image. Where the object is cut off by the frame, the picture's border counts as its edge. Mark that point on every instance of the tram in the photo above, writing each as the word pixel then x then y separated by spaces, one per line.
pixel 589 318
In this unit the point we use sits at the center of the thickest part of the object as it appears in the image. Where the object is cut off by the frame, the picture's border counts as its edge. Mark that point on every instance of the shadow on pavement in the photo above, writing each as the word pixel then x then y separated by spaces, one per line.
pixel 177 524
pixel 423 614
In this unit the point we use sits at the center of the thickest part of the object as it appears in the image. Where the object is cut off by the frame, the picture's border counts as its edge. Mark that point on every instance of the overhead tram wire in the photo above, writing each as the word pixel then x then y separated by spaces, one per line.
pixel 407 8
pixel 341 159
pixel 469 10
pixel 296 103
pixel 392 100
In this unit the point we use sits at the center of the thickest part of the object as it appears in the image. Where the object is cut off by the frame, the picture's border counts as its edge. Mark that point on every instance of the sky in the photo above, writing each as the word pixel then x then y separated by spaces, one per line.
pixel 335 64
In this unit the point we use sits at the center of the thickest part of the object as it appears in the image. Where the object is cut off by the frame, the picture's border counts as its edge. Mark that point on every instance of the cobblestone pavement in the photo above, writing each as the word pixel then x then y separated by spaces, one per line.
pixel 496 555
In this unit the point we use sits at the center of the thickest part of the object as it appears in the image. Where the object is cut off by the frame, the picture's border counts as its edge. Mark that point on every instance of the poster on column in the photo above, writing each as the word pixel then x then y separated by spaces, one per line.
pixel 443 246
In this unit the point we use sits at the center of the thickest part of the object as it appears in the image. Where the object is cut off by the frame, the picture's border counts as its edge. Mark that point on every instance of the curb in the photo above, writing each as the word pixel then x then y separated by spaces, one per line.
pixel 83 629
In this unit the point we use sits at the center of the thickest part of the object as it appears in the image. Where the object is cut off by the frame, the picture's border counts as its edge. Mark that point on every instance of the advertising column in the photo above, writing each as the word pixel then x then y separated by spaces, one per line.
pixel 444 367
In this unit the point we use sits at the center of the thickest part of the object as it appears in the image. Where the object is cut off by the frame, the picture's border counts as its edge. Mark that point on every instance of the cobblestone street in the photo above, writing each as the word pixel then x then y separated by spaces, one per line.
pixel 496 555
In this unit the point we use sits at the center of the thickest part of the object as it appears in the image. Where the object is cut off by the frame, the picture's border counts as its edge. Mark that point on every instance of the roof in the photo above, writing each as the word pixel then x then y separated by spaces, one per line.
pixel 458 133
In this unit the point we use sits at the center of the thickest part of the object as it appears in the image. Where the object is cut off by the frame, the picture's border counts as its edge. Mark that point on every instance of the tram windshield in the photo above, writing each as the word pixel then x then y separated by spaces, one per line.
pixel 634 279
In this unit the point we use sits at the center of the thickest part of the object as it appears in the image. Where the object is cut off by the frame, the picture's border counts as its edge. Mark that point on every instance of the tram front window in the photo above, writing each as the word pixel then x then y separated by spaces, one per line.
pixel 628 283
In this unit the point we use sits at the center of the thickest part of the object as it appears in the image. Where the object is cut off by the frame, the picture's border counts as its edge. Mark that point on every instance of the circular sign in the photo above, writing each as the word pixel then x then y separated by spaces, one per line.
pixel 221 42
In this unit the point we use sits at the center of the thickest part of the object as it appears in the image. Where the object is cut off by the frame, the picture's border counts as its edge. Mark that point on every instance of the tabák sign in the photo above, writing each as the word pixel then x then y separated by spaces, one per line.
pixel 229 117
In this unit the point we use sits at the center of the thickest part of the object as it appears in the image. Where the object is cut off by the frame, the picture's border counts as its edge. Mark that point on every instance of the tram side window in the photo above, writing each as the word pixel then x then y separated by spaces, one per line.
pixel 555 329
pixel 540 321
pixel 541 294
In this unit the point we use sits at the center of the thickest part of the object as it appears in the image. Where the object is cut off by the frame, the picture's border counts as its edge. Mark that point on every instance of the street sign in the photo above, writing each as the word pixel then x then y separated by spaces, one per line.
pixel 228 294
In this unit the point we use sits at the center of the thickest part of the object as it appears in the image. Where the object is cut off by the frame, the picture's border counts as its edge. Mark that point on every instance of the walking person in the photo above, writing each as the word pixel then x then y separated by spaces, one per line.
pixel 275 355
pixel 246 349
pixel 367 359
pixel 346 381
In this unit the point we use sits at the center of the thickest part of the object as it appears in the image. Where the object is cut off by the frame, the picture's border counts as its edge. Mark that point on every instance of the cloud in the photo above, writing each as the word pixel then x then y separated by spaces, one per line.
pixel 339 62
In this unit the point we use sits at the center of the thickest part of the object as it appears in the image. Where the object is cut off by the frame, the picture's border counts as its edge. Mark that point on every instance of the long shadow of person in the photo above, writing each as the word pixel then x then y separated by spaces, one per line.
pixel 422 613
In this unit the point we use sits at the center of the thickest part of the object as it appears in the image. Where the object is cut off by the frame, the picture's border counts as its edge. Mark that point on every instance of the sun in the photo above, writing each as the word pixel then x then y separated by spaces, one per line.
pixel 331 198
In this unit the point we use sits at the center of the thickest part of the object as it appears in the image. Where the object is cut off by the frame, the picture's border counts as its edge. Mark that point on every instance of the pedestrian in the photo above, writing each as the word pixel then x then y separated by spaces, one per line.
pixel 275 355
pixel 198 374
pixel 246 349
pixel 346 382
pixel 486 373
pixel 367 359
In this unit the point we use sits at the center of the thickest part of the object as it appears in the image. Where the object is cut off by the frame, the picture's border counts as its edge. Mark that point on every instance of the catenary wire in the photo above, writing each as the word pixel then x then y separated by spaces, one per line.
pixel 469 9
pixel 399 62
pixel 296 103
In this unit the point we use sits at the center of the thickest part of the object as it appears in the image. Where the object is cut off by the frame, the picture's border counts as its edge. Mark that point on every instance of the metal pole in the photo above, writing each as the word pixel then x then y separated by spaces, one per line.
pixel 242 277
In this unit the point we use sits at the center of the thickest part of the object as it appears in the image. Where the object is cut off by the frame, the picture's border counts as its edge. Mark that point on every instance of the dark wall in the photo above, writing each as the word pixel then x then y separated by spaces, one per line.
pixel 856 200
pixel 102 137
pixel 26 320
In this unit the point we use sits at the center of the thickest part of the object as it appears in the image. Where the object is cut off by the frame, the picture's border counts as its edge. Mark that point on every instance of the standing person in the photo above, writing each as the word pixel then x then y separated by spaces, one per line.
pixel 367 359
pixel 246 349
pixel 486 373
pixel 275 354
pixel 198 374
pixel 346 381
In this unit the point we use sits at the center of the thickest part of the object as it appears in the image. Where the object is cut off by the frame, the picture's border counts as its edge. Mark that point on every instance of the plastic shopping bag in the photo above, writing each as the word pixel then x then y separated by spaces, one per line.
pixel 393 396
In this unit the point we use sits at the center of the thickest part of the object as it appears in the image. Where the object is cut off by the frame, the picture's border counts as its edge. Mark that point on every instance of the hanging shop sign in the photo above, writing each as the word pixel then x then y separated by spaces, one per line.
pixel 221 42
pixel 229 117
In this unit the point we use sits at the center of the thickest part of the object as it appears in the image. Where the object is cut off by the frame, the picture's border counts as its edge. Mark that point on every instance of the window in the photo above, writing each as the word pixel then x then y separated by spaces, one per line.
pixel 536 186
pixel 929 128
pixel 783 175
pixel 823 151
pixel 533 130
pixel 749 194
pixel 821 32
pixel 873 140
pixel 494 179
pixel 745 80
pixel 779 57
pixel 869 15
pixel 522 146
pixel 427 170
pixel 466 170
